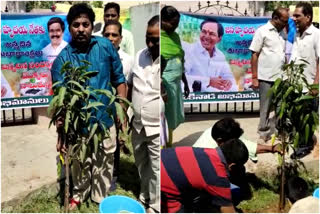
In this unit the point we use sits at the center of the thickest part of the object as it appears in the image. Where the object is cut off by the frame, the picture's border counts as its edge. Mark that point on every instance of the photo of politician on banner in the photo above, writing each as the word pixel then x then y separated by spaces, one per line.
pixel 217 56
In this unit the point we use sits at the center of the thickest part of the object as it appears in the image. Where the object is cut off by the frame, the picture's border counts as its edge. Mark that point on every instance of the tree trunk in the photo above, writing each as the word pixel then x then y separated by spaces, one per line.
pixel 67 181
pixel 282 201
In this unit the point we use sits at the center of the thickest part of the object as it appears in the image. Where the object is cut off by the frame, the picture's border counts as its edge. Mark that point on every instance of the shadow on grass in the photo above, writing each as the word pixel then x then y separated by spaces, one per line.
pixel 129 178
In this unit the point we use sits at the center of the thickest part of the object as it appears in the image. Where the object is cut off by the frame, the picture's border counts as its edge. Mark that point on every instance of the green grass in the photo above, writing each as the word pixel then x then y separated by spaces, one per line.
pixel 46 199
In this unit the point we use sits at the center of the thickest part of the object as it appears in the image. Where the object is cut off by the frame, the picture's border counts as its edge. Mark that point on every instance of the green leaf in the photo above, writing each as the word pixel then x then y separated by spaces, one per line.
pixel 52 105
pixel 290 89
pixel 56 83
pixel 92 131
pixel 67 121
pixel 306 133
pixel 76 84
pixel 123 99
pixel 296 140
pixel 305 97
pixel 83 152
pixel 61 95
pixel 90 74
pixel 76 92
pixel 276 85
pixel 104 92
pixel 95 143
pixel 282 109
pixel 75 124
pixel 120 113
pixel 74 99
pixel 93 104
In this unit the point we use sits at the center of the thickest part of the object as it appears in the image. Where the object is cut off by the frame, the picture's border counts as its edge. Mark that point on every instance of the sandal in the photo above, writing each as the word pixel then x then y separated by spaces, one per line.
pixel 73 204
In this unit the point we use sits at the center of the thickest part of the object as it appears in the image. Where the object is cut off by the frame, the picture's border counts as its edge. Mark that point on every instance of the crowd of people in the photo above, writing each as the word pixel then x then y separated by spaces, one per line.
pixel 201 178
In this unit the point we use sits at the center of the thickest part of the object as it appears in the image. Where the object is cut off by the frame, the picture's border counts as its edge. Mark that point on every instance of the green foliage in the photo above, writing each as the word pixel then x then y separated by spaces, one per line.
pixel 97 4
pixel 78 104
pixel 38 5
pixel 272 5
pixel 296 119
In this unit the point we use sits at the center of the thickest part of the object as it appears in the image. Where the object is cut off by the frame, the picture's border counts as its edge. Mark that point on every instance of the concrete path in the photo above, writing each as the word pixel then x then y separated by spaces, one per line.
pixel 28 159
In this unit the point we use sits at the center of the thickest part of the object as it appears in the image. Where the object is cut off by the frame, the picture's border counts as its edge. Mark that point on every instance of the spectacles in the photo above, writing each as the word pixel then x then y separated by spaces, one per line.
pixel 110 15
pixel 112 34
pixel 153 40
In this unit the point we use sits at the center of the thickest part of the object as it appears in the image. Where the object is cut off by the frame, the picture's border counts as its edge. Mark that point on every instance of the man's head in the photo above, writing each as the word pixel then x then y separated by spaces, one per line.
pixel 55 29
pixel 111 11
pixel 235 153
pixel 113 31
pixel 152 36
pixel 80 19
pixel 302 16
pixel 211 33
pixel 280 17
pixel 170 18
pixel 226 129
pixel 296 188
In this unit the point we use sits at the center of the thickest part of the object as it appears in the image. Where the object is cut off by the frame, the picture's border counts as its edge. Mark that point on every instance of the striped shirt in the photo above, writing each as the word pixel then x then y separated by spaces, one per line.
pixel 188 171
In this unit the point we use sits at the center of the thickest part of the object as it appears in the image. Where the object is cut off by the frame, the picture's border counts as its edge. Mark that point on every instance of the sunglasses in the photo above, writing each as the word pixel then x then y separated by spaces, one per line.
pixel 153 40
pixel 110 15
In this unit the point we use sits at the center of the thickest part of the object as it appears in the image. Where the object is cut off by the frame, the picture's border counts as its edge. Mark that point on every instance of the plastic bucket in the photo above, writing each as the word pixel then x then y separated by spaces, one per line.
pixel 120 204
pixel 316 193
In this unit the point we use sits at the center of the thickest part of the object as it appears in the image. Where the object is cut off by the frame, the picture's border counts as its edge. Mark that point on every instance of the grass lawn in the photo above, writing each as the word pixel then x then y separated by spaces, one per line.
pixel 46 199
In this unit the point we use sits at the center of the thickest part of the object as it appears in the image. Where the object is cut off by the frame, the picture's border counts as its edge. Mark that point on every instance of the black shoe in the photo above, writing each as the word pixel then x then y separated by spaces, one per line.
pixel 301 152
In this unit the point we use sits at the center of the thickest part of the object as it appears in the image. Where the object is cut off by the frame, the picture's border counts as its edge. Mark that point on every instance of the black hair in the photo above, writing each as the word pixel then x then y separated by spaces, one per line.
pixel 112 5
pixel 81 8
pixel 113 22
pixel 220 27
pixel 235 152
pixel 306 9
pixel 277 12
pixel 153 21
pixel 56 20
pixel 168 13
pixel 296 188
pixel 226 129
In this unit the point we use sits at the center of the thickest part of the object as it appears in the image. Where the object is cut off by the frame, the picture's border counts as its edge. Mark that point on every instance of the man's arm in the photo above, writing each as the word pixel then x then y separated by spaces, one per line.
pixel 227 209
pixel 269 148
pixel 186 86
pixel 254 69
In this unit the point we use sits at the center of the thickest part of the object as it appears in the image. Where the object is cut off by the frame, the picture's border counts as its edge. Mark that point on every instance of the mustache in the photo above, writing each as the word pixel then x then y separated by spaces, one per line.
pixel 55 37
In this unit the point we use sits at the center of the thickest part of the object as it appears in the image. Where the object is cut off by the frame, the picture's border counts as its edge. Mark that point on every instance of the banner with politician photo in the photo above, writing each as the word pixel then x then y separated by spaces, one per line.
pixel 217 56
pixel 29 45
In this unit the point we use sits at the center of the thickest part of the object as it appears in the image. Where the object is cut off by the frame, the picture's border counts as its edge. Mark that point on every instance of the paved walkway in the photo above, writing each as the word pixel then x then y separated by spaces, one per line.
pixel 28 159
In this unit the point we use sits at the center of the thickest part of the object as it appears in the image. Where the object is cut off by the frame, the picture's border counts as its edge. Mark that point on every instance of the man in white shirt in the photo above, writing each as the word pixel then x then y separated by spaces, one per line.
pixel 205 65
pixel 144 88
pixel 113 31
pixel 306 43
pixel 112 12
pixel 56 30
pixel 306 47
pixel 268 56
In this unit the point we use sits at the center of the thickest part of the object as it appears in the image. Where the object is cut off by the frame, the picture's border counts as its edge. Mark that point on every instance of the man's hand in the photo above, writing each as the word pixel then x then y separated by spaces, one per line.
pixel 61 147
pixel 277 148
pixel 3 91
pixel 186 90
pixel 255 83
pixel 219 83
pixel 227 209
